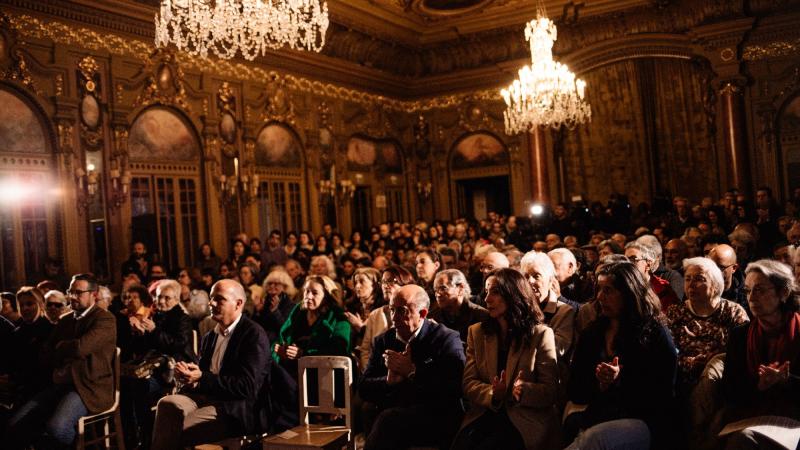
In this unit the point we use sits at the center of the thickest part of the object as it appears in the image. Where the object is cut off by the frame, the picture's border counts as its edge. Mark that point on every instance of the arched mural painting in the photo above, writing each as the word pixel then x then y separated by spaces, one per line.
pixel 277 147
pixel 159 134
pixel 20 129
pixel 479 150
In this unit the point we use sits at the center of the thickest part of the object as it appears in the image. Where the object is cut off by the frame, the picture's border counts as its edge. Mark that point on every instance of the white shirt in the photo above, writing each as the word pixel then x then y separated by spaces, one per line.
pixel 415 334
pixel 223 337
pixel 83 314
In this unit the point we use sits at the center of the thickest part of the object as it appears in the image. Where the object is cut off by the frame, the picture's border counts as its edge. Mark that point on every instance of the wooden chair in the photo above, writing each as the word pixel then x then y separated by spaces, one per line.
pixel 105 417
pixel 314 436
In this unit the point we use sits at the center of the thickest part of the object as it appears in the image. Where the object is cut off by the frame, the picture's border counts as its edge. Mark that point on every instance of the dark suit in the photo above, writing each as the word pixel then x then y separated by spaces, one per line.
pixel 245 368
pixel 427 409
pixel 229 403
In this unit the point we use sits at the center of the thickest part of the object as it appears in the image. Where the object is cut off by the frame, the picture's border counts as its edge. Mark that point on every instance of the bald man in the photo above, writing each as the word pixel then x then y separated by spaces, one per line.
pixel 724 256
pixel 222 393
pixel 413 377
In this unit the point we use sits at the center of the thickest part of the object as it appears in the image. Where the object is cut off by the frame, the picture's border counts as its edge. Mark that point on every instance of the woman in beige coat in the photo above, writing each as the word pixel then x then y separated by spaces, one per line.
pixel 510 376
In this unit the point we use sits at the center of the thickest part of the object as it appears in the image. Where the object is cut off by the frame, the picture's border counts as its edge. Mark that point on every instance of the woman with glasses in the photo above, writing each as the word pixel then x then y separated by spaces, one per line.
pixel 380 319
pixel 763 357
pixel 56 306
pixel 623 369
pixel 510 377
pixel 27 342
pixel 701 327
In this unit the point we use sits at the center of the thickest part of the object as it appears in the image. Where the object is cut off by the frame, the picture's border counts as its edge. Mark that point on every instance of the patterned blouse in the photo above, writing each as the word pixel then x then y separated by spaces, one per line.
pixel 699 338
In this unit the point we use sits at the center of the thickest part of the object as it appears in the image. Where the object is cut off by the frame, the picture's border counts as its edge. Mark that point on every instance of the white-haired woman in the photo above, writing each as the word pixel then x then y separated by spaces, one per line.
pixel 701 324
pixel 278 302
pixel 763 357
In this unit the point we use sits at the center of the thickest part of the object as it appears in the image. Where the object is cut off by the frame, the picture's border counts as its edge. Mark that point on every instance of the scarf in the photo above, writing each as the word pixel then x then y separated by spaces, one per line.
pixel 785 348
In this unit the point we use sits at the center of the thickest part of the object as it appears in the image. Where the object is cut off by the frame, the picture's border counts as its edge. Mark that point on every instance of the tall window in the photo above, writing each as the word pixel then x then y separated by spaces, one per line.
pixel 279 162
pixel 280 206
pixel 361 209
pixel 164 217
pixel 394 205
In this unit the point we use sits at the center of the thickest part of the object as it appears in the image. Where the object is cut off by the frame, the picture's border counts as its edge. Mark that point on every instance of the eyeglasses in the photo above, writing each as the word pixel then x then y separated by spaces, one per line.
pixel 78 292
pixel 442 288
pixel 758 290
pixel 724 268
pixel 699 279
pixel 400 311
pixel 390 282
pixel 55 305
pixel 487 268
pixel 635 259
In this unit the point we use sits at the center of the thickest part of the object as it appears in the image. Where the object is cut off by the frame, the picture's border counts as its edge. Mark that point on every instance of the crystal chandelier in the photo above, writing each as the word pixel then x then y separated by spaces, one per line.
pixel 546 92
pixel 225 27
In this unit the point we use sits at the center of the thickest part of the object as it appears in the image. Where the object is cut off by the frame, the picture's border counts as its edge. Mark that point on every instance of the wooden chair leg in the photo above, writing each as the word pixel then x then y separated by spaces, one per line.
pixel 107 432
pixel 81 439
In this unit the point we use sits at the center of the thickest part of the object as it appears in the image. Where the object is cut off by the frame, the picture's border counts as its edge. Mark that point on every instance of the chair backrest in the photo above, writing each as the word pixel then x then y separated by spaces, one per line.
pixel 117 352
pixel 195 345
pixel 325 366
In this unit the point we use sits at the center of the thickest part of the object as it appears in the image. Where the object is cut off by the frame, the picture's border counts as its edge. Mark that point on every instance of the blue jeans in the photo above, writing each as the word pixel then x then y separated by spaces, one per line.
pixel 52 416
pixel 621 434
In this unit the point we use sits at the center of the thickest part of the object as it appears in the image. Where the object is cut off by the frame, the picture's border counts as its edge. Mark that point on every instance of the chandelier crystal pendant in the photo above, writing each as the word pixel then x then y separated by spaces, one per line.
pixel 546 92
pixel 249 27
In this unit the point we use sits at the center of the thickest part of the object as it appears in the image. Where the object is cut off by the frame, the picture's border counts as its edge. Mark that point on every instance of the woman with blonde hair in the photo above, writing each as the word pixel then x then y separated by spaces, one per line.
pixel 279 295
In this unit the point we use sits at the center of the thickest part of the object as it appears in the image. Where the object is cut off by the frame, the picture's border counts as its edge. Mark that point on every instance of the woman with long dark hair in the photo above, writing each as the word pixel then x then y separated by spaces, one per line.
pixel 510 377
pixel 428 264
pixel 623 368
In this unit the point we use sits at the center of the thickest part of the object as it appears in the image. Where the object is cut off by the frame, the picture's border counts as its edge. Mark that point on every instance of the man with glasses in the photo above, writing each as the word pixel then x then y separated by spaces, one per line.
pixel 644 259
pixel 455 310
pixel 81 352
pixel 724 256
pixel 56 306
pixel 414 377
pixel 491 262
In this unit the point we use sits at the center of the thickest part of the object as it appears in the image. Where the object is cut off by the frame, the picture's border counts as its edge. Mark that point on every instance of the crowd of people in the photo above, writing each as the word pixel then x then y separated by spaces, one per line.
pixel 590 326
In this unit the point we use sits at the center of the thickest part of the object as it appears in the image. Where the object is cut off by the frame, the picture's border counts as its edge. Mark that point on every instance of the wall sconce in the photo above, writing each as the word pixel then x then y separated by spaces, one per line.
pixel 88 181
pixel 327 188
pixel 249 187
pixel 424 189
pixel 348 188
pixel 120 183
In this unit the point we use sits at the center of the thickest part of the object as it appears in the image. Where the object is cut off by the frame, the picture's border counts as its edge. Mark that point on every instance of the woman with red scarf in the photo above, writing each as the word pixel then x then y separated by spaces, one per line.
pixel 763 357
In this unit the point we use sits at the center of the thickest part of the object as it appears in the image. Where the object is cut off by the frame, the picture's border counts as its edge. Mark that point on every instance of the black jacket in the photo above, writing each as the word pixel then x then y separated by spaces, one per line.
pixel 173 335
pixel 439 358
pixel 237 389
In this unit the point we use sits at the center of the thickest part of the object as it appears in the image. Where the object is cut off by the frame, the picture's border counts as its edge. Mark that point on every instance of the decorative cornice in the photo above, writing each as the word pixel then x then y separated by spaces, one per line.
pixel 772 50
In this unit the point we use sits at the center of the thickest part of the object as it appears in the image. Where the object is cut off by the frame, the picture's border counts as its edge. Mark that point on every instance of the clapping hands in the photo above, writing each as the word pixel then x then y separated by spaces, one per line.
pixel 607 373
pixel 772 374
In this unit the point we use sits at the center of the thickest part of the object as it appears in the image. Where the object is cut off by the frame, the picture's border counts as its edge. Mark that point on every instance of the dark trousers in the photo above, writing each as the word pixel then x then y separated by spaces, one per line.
pixel 408 426
pixel 49 419
pixel 490 431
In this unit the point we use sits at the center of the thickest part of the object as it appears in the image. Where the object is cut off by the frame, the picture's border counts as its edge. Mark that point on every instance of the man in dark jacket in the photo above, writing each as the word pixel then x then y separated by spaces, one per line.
pixel 223 394
pixel 81 352
pixel 414 377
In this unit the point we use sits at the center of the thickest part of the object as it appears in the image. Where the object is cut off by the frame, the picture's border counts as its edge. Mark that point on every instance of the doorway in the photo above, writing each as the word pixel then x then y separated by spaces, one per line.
pixel 361 210
pixel 477 196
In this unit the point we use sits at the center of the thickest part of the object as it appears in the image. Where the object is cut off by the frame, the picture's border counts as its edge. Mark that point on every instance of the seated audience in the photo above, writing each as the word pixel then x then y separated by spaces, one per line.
pixel 317 326
pixel 724 256
pixel 380 319
pixel 56 306
pixel 414 377
pixel 558 314
pixel 571 284
pixel 700 328
pixel 428 263
pixel 10 309
pixel 367 297
pixel 81 353
pixel 644 259
pixel 455 310
pixel 763 356
pixel 623 369
pixel 222 395
pixel 279 294
pixel 511 375
pixel 27 372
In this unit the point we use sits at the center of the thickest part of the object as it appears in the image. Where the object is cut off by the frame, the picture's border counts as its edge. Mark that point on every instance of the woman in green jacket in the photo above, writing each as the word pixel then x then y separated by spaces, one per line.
pixel 315 327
